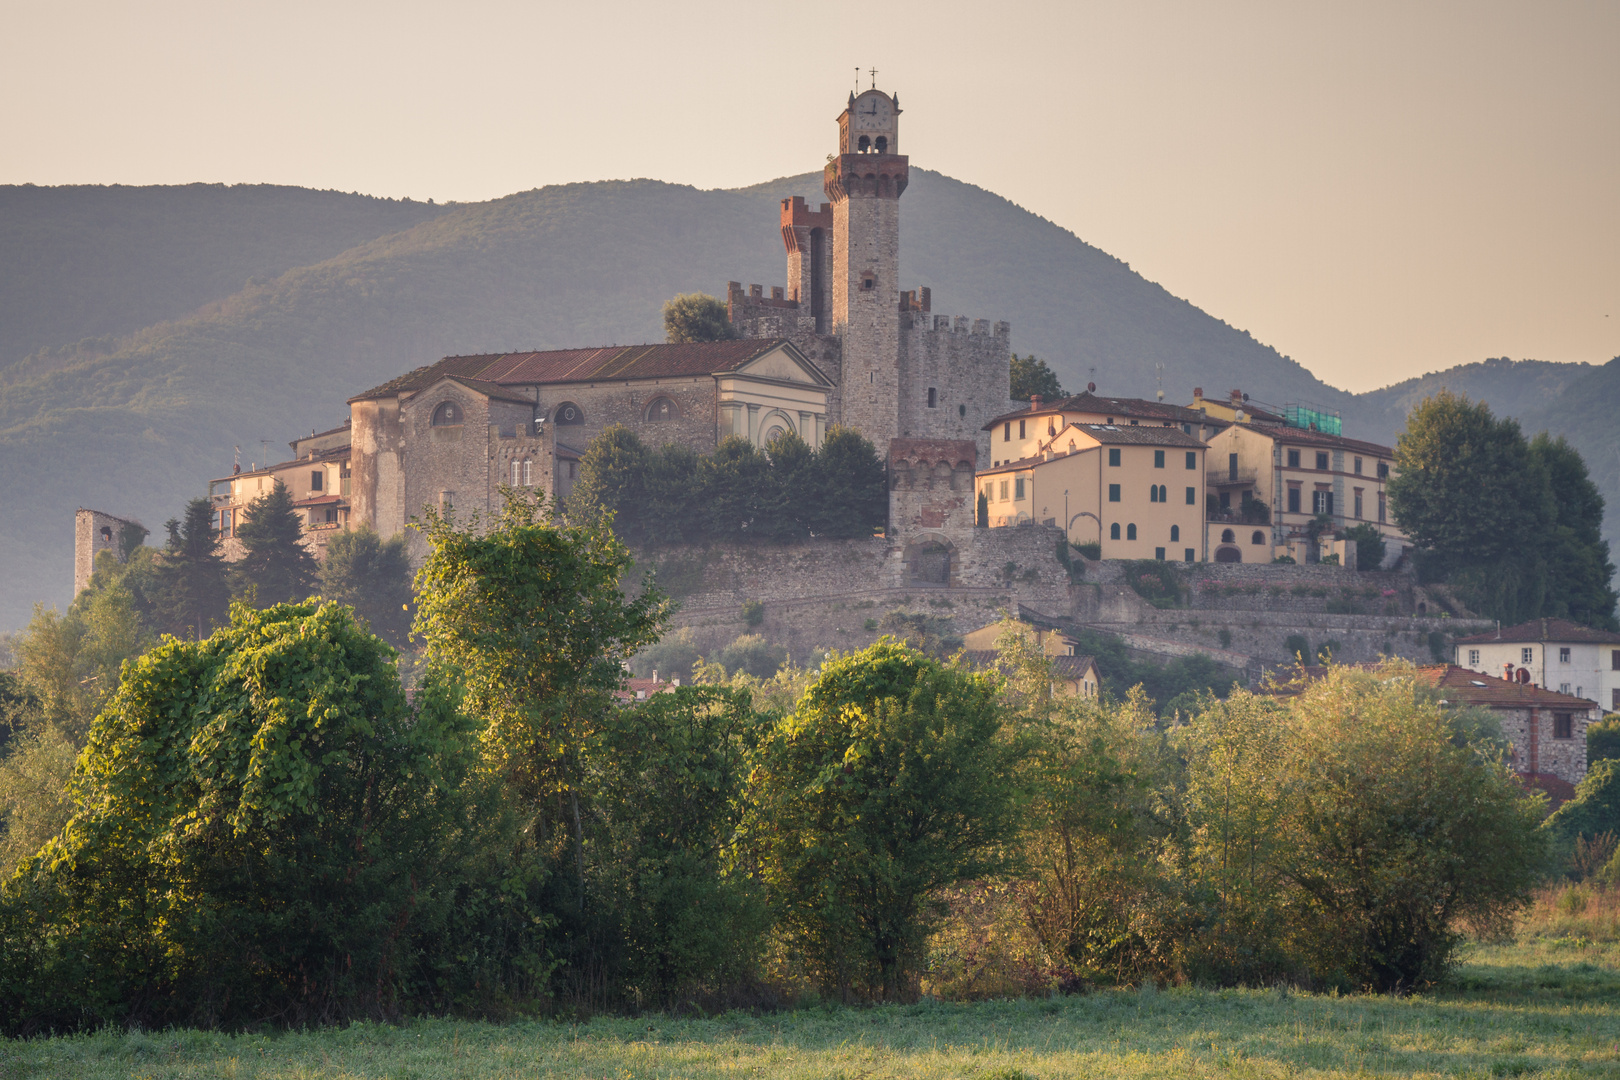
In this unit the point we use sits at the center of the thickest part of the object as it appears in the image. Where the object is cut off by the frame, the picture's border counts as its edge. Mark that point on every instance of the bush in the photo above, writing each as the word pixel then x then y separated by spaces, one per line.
pixel 671 657
pixel 1157 582
pixel 1594 810
pixel 1603 739
pixel 751 653
pixel 889 782
pixel 1091 550
pixel 264 829
pixel 753 613
pixel 1370 547
pixel 1298 649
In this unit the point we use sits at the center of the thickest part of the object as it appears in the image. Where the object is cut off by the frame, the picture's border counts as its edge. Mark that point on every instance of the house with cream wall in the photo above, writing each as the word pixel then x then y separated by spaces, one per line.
pixel 1031 432
pixel 1138 492
pixel 1554 654
pixel 1073 674
pixel 317 478
pixel 1297 474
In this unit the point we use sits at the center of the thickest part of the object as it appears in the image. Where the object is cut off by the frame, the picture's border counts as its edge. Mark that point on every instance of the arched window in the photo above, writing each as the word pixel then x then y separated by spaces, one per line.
pixel 882 144
pixel 1113 531
pixel 1164 493
pixel 864 145
pixel 1175 533
pixel 1228 537
pixel 446 414
pixel 1258 537
pixel 661 408
pixel 569 413
pixel 1130 532
pixel 1153 493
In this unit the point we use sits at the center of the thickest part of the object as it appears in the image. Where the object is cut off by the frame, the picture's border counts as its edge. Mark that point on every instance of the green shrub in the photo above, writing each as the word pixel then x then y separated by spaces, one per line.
pixel 1298 649
pixel 753 613
pixel 1603 739
pixel 1091 550
pixel 1595 809
pixel 1157 582
pixel 751 653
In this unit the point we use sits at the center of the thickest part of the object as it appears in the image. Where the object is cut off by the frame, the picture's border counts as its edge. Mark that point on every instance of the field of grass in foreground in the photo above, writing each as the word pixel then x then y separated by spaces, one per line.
pixel 1547 1005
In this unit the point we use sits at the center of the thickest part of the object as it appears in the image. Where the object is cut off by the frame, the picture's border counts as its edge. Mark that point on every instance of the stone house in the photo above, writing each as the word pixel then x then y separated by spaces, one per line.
pixel 1138 491
pixel 1550 653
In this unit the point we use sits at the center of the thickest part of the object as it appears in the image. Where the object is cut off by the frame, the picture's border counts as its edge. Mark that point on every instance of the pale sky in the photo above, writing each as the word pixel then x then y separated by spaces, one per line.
pixel 1378 190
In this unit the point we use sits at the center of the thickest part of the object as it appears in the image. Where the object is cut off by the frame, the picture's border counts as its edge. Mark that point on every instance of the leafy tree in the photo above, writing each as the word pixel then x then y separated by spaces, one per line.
pixel 1030 376
pixel 671 657
pixel 612 480
pixel 737 483
pixel 1580 573
pixel 851 496
pixel 262 829
pixel 373 576
pixel 696 317
pixel 667 777
pixel 673 487
pixel 191 594
pixel 1603 739
pixel 1595 809
pixel 926 633
pixel 35 798
pixel 753 654
pixel 527 617
pixel 1370 545
pixel 275 564
pixel 889 781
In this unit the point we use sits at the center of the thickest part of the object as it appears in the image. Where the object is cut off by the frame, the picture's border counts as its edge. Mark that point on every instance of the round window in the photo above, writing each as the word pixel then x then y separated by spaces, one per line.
pixel 447 413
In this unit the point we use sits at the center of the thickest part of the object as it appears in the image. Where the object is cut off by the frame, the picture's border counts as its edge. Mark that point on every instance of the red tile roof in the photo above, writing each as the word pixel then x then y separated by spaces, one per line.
pixel 615 362
pixel 1555 630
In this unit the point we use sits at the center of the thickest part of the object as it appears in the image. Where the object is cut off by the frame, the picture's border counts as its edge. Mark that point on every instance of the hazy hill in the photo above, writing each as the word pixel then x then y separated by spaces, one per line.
pixel 87 261
pixel 137 424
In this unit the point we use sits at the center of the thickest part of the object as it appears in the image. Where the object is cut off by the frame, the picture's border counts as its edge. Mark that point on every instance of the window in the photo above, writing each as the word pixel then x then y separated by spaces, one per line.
pixel 1113 456
pixel 1192 458
pixel 1153 493
pixel 1258 537
pixel 1321 461
pixel 1158 459
pixel 1130 532
pixel 961 410
pixel 331 515
pixel 1614 660
pixel 1358 467
pixel 1563 688
pixel 1231 466
pixel 1473 657
pixel 1563 655
pixel 315 478
pixel 569 413
pixel 1380 508
pixel 1383 470
pixel 1358 504
pixel 1158 553
pixel 1192 496
pixel 1190 555
pixel 448 413
pixel 1004 491
pixel 1006 432
pixel 1321 502
pixel 1164 493
pixel 517 472
pixel 1293 459
pixel 1224 500
pixel 222 524
pixel 1228 536
pixel 1526 656
pixel 933 398
pixel 1021 424
pixel 1018 488
pixel 1293 498
pixel 661 408
pixel 1175 534
pixel 1113 493
pixel 528 473
pixel 1563 725
pixel 1113 531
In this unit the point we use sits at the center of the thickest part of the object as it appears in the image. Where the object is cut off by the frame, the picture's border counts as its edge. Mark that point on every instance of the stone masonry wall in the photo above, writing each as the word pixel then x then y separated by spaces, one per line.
pixel 965 365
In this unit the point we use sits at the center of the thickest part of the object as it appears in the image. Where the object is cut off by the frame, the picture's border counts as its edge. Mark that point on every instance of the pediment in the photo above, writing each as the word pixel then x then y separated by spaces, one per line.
pixel 785 364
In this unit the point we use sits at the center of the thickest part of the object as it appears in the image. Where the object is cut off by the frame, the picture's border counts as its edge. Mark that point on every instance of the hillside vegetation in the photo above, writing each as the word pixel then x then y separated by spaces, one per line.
pixel 164 326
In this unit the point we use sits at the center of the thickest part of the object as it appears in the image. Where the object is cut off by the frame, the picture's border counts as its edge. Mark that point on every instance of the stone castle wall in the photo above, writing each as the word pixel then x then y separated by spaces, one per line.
pixel 93 533
pixel 965 364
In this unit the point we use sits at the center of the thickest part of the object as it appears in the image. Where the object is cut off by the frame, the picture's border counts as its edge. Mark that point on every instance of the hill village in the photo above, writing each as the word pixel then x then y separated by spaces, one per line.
pixel 1215 527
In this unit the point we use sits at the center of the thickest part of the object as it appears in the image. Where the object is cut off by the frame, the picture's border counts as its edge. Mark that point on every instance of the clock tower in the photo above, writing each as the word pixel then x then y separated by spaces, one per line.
pixel 864 183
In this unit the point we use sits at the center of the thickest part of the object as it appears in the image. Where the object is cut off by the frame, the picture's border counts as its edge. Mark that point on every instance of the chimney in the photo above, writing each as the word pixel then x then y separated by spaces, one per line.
pixel 1198 395
pixel 1034 402
pixel 1237 398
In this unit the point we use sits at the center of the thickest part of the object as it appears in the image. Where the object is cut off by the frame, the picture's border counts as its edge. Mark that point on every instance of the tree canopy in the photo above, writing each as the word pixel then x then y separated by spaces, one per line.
pixel 1030 376
pixel 696 317
pixel 275 563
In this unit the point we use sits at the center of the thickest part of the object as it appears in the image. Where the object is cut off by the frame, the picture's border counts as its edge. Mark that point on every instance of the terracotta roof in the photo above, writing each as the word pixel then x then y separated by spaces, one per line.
pixel 641 689
pixel 1107 406
pixel 615 362
pixel 1063 667
pixel 1306 436
pixel 1459 684
pixel 1558 630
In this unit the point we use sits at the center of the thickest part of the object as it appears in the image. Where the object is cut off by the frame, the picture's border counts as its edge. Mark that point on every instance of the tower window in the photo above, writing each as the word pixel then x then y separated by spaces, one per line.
pixel 864 145
pixel 961 410
pixel 882 144
pixel 933 398
pixel 868 282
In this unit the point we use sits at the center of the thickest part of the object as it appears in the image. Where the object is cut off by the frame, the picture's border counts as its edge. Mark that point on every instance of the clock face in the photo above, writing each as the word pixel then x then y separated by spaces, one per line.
pixel 872 112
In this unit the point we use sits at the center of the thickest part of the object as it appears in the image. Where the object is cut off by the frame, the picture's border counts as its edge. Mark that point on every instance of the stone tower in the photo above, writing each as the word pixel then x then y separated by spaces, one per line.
pixel 864 183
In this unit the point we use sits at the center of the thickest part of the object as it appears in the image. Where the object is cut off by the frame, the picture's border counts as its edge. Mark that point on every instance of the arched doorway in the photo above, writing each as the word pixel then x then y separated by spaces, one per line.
pixel 1228 554
pixel 928 562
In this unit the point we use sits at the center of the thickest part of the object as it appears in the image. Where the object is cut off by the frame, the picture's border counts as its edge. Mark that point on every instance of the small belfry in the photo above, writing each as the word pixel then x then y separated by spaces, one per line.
pixel 899 371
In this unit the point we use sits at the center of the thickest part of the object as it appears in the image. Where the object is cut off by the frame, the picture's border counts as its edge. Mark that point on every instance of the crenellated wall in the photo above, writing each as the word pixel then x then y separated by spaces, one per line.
pixel 964 364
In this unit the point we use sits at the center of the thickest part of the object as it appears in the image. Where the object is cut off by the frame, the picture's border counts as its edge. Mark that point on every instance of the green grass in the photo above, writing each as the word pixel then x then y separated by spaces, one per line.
pixel 1547 1005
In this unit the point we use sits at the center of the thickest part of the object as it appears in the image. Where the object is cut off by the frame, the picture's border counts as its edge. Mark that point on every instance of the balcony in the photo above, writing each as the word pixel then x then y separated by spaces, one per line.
pixel 1226 478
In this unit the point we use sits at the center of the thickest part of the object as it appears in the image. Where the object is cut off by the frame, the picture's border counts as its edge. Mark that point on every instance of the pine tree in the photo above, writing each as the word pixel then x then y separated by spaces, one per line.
pixel 275 566
pixel 192 592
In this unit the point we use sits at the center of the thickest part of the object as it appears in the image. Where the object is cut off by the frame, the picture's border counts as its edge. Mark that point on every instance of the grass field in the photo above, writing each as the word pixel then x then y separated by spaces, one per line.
pixel 1547 1005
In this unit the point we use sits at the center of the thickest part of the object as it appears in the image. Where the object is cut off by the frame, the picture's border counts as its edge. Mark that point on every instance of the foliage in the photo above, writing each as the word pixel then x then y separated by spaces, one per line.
pixel 752 654
pixel 926 633
pixel 262 830
pixel 1299 648
pixel 1515 525
pixel 372 576
pixel 890 780
pixel 1595 809
pixel 1603 739
pixel 786 493
pixel 981 513
pixel 275 566
pixel 666 778
pixel 1253 511
pixel 1091 549
pixel 1162 683
pixel 34 798
pixel 753 613
pixel 696 317
pixel 670 657
pixel 1370 546
pixel 192 592
pixel 1155 580
pixel 1029 376
pixel 70 663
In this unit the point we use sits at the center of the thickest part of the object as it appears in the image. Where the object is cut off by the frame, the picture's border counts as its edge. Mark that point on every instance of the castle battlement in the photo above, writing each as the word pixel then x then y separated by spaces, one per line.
pixel 755 297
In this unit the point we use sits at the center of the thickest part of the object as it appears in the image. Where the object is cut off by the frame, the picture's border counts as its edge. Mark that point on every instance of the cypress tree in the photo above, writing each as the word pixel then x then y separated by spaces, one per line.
pixel 192 592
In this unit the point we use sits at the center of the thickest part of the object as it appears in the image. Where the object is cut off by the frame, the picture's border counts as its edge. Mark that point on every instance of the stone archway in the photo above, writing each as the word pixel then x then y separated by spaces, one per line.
pixel 1228 554
pixel 929 560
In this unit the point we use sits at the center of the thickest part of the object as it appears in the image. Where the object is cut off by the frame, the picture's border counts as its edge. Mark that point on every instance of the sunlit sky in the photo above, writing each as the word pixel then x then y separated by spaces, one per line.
pixel 1378 190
